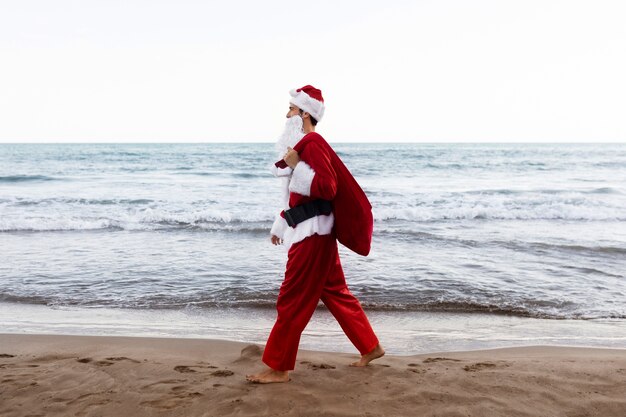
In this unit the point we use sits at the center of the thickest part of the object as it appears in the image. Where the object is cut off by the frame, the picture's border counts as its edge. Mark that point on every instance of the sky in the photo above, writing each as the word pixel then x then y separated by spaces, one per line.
pixel 390 71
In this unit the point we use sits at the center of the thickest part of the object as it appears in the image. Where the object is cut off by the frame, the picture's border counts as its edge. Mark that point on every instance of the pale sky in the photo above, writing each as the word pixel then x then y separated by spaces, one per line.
pixel 390 71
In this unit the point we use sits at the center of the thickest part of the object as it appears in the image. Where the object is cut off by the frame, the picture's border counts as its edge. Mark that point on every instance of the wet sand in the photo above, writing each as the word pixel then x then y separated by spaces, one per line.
pixel 50 375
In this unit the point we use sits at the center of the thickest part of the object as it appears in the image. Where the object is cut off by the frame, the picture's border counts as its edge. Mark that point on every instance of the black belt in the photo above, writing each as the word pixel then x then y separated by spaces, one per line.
pixel 305 211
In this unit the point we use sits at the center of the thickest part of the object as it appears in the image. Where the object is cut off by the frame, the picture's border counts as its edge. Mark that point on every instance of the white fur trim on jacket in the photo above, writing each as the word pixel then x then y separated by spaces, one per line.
pixel 279 227
pixel 280 172
pixel 322 225
pixel 301 179
pixel 308 104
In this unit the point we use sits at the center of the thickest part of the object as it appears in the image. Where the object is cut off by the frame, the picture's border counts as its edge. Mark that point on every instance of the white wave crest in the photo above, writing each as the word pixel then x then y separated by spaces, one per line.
pixel 149 219
pixel 498 212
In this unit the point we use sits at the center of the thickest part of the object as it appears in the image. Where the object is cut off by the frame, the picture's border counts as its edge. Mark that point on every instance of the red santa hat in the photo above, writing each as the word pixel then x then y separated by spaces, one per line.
pixel 310 100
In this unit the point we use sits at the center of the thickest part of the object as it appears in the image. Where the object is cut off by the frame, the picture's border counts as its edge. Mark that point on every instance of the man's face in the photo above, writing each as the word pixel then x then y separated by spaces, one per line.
pixel 293 110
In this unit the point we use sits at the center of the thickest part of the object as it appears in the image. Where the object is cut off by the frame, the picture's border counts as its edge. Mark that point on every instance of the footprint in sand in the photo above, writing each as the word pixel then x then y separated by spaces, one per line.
pixel 28 385
pixel 122 358
pixel 223 373
pixel 416 368
pixel 180 392
pixel 6 355
pixel 183 369
pixel 432 360
pixel 479 366
pixel 187 368
pixel 205 365
pixel 51 358
pixel 108 361
pixel 316 366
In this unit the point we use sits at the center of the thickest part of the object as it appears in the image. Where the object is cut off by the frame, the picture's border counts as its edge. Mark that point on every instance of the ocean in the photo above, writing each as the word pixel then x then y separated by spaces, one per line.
pixel 175 235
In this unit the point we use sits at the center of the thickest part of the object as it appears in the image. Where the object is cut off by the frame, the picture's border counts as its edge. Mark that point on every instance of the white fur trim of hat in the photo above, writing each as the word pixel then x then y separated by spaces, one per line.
pixel 310 100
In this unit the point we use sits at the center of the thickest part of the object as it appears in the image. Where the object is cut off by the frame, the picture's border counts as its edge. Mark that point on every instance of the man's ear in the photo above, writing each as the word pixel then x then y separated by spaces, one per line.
pixel 305 115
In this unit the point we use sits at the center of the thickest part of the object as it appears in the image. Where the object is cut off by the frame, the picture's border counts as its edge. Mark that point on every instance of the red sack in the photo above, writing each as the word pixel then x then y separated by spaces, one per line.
pixel 354 222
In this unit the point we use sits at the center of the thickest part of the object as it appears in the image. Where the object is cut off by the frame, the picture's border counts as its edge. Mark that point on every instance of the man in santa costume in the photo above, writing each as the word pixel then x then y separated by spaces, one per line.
pixel 307 227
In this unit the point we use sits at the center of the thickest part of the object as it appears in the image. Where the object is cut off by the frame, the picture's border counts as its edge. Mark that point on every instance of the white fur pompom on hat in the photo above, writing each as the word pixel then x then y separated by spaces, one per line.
pixel 310 100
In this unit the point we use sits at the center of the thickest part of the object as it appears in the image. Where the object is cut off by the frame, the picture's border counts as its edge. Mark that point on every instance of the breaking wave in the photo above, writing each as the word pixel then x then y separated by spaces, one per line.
pixel 267 300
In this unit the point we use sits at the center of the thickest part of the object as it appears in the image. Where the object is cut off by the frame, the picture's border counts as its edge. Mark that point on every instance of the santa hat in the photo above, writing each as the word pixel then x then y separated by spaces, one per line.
pixel 310 100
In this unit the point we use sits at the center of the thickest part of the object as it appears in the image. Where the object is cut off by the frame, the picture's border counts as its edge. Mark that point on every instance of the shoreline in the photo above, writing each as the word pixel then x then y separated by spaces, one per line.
pixel 114 375
pixel 403 333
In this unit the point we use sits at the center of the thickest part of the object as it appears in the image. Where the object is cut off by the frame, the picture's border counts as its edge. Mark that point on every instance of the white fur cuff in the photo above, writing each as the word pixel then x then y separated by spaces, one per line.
pixel 302 179
pixel 280 172
pixel 279 226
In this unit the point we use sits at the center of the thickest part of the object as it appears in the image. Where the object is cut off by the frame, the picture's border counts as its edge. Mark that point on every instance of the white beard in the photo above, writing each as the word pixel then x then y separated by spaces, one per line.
pixel 291 135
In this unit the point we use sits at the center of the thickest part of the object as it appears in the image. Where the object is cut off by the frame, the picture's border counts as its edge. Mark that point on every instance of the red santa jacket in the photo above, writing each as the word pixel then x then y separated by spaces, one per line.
pixel 322 174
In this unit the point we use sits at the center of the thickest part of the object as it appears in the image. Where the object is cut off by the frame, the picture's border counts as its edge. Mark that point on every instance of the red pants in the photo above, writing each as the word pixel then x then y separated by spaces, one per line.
pixel 313 273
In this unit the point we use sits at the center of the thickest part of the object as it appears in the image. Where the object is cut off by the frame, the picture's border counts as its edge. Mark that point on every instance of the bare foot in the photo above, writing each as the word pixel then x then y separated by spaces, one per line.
pixel 269 376
pixel 377 352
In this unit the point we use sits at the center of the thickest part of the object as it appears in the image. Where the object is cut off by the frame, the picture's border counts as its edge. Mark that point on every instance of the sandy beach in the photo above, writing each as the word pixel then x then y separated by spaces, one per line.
pixel 49 375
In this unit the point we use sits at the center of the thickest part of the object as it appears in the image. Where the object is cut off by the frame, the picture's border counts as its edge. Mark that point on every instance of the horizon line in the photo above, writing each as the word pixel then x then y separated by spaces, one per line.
pixel 338 142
